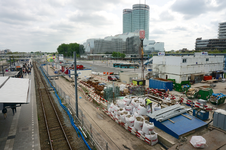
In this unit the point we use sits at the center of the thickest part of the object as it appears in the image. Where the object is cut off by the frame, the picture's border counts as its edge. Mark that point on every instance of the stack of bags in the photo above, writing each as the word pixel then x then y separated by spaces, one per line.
pixel 132 112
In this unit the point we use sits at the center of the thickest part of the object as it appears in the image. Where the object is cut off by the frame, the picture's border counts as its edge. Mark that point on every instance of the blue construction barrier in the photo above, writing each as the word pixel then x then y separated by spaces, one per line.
pixel 69 115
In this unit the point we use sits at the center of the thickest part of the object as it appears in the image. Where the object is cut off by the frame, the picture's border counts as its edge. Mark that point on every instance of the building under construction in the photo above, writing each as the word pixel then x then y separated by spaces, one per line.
pixel 212 44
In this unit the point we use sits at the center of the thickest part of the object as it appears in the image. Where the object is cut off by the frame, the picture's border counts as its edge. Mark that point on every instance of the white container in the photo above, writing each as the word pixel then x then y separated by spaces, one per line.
pixel 120 110
pixel 121 103
pixel 122 116
pixel 129 120
pixel 142 110
pixel 129 108
pixel 138 123
pixel 148 127
pixel 127 100
pixel 153 137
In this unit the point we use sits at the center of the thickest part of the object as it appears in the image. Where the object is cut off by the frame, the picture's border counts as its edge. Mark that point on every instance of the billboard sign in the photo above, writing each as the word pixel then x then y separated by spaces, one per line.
pixel 142 34
pixel 204 53
pixel 161 53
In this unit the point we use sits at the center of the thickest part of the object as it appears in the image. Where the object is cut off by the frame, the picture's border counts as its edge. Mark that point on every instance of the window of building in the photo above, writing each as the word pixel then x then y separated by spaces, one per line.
pixel 184 60
pixel 207 59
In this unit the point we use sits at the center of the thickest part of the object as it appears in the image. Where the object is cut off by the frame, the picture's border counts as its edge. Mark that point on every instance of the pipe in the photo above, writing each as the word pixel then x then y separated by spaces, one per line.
pixel 173 115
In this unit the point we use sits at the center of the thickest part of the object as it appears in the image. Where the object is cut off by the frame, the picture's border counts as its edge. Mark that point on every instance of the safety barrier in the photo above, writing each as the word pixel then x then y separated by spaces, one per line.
pixel 70 116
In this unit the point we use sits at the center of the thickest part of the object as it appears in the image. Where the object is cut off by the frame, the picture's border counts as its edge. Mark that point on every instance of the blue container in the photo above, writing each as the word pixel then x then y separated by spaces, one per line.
pixel 160 84
pixel 56 72
pixel 203 115
pixel 149 69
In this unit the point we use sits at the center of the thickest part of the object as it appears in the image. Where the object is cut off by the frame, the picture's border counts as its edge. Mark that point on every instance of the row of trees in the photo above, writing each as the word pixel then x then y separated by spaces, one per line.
pixel 118 54
pixel 68 49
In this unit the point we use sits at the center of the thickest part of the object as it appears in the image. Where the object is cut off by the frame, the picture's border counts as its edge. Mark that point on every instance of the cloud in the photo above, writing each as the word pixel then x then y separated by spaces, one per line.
pixel 179 28
pixel 166 16
pixel 158 31
pixel 189 8
pixel 93 19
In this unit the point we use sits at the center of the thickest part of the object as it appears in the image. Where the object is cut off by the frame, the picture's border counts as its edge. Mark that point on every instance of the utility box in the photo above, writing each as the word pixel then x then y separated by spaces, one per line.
pixel 203 115
pixel 219 119
pixel 128 77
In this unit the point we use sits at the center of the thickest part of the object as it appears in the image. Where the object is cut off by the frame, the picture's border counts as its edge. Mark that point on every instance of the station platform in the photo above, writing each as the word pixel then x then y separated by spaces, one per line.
pixel 20 131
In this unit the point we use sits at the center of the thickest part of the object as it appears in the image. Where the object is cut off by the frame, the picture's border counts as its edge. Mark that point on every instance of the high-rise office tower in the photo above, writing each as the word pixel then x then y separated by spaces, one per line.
pixel 222 30
pixel 127 20
pixel 136 19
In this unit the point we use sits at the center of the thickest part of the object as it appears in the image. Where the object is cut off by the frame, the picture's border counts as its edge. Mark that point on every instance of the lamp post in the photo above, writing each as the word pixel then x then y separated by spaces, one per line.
pixel 76 92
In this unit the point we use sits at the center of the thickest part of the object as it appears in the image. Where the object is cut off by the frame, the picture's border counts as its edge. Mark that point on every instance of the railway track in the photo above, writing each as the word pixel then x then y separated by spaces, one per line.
pixel 56 137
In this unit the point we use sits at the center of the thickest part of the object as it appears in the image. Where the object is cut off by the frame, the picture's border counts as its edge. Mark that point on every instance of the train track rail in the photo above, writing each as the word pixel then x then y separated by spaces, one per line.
pixel 56 136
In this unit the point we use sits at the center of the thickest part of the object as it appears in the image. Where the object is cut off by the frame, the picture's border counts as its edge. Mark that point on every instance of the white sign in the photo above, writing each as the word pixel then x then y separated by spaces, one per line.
pixel 204 53
pixel 161 53
pixel 61 57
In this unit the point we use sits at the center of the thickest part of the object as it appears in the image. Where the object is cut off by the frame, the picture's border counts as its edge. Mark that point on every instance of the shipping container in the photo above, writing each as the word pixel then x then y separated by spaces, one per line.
pixel 159 83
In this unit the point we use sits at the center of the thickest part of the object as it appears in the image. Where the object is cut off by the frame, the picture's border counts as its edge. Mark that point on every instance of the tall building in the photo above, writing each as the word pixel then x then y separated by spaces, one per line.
pixel 127 20
pixel 212 44
pixel 222 30
pixel 136 19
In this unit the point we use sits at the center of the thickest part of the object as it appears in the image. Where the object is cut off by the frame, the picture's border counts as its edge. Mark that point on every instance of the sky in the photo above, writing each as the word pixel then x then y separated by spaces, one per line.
pixel 42 25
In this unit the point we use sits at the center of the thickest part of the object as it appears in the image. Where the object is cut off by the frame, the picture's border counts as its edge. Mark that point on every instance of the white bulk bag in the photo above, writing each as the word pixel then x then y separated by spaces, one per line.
pixel 135 103
pixel 136 115
pixel 153 137
pixel 111 108
pixel 141 100
pixel 148 127
pixel 198 141
pixel 157 108
pixel 129 108
pixel 129 120
pixel 120 110
pixel 138 123
pixel 121 103
pixel 116 109
pixel 127 100
pixel 142 110
pixel 122 116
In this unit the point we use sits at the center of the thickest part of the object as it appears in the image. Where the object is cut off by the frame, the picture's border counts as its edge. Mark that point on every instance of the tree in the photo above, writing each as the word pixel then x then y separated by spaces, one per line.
pixel 68 49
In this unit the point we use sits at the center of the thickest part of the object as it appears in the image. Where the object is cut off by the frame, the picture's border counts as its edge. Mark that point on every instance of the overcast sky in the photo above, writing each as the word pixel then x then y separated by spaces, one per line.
pixel 42 25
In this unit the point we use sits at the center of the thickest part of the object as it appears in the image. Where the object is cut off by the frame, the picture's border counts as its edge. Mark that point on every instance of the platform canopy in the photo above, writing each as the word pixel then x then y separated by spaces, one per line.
pixel 15 90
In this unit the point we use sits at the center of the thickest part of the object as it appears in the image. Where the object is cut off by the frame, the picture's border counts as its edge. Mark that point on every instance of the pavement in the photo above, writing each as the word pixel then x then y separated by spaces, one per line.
pixel 20 131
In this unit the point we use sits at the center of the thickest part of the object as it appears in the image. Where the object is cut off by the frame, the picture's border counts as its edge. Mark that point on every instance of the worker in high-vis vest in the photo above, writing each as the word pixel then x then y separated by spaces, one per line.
pixel 149 104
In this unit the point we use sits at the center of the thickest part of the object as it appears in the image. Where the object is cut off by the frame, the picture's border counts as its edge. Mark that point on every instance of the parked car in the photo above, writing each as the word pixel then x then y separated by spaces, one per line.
pixel 112 78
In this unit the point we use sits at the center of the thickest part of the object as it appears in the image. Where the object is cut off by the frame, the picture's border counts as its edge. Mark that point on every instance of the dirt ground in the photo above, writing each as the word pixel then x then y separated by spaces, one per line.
pixel 116 136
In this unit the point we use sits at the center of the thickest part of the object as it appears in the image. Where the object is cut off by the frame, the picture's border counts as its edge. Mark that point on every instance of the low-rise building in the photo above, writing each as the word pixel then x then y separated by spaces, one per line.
pixel 180 68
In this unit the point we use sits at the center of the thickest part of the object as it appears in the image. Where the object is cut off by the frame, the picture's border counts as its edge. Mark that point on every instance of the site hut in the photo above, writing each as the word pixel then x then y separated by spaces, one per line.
pixel 181 68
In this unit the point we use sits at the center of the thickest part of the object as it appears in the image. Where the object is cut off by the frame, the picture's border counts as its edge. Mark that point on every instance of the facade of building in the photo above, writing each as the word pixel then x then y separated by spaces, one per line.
pixel 136 19
pixel 212 44
pixel 127 43
pixel 180 68
pixel 222 30
pixel 127 20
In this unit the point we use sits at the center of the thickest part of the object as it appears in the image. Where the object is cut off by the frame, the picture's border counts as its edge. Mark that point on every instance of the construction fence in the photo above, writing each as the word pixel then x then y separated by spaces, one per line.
pixel 96 139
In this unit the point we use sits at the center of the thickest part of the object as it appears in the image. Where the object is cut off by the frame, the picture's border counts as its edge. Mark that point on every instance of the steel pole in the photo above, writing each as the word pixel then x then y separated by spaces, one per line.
pixel 76 92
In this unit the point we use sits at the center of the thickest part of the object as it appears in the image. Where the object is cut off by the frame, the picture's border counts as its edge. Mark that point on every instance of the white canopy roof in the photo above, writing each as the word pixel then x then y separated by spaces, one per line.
pixel 15 90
